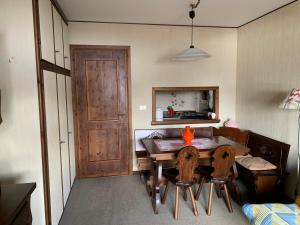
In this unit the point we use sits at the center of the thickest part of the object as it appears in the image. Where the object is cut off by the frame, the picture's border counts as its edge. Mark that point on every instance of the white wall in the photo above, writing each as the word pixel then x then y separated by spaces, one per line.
pixel 268 68
pixel 152 47
pixel 20 148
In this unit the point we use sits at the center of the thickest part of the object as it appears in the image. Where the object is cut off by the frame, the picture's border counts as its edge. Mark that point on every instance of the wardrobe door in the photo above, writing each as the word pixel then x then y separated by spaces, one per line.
pixel 54 160
pixel 63 128
pixel 46 29
pixel 58 38
pixel 66 45
pixel 70 128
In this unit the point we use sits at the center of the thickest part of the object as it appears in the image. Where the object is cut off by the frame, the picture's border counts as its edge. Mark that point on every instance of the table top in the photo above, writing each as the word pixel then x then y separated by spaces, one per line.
pixel 156 147
pixel 12 199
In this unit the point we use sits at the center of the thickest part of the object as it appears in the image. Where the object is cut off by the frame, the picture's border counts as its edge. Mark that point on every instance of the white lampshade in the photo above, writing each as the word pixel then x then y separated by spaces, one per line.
pixel 292 101
pixel 191 54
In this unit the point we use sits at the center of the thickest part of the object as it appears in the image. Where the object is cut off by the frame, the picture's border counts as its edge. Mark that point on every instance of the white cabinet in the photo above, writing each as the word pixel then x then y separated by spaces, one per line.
pixel 60 140
pixel 46 29
pixel 70 129
pixel 55 45
pixel 58 38
pixel 54 156
pixel 66 45
pixel 63 131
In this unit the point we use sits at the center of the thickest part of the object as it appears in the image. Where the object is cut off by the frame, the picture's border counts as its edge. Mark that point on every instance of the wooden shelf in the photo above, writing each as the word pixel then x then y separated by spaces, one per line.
pixel 170 122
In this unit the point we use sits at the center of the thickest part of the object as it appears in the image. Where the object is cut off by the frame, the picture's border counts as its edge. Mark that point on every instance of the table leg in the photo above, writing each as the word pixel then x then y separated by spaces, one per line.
pixel 156 181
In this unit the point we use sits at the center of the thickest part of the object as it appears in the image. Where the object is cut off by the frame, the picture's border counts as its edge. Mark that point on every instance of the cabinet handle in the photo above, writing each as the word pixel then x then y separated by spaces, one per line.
pixel 122 114
pixel 56 51
pixel 70 132
pixel 62 142
pixel 66 57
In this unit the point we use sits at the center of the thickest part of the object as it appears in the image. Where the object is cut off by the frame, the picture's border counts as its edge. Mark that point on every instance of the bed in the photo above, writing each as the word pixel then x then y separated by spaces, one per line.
pixel 272 214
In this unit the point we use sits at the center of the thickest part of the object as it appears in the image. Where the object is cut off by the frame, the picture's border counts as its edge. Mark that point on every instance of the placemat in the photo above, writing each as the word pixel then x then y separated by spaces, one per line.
pixel 175 144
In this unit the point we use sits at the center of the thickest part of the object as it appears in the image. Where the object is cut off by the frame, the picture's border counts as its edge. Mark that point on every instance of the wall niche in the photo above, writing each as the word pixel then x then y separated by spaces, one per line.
pixel 185 105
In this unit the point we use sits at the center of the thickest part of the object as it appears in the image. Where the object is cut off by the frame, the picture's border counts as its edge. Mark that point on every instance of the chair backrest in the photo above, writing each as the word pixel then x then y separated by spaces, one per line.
pixel 233 134
pixel 187 162
pixel 223 160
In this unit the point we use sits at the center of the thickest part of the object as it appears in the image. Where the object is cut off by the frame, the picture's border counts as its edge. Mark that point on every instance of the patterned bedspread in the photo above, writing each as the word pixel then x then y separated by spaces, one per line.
pixel 272 214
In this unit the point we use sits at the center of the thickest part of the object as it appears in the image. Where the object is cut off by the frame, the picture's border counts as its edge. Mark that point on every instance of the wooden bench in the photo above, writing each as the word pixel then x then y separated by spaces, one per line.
pixel 262 183
pixel 275 152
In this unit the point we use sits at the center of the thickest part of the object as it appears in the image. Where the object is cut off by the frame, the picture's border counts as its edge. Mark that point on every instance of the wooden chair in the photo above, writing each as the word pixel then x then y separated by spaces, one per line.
pixel 183 176
pixel 218 174
pixel 241 137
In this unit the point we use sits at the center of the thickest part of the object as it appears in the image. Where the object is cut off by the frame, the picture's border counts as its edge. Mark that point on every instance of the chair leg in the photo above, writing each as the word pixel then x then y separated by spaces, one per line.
pixel 229 205
pixel 199 188
pixel 176 203
pixel 184 194
pixel 218 188
pixel 210 199
pixel 193 202
pixel 163 200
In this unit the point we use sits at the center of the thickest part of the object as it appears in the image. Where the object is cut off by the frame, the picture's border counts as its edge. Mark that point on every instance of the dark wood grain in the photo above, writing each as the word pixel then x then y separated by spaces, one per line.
pixel 263 183
pixel 159 157
pixel 218 174
pixel 186 121
pixel 45 65
pixel 223 160
pixel 234 134
pixel 187 161
pixel 42 110
pixel 15 203
pixel 183 175
pixel 102 110
pixel 154 152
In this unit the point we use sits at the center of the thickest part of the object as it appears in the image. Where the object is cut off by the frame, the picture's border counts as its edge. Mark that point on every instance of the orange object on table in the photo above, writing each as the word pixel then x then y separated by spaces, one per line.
pixel 188 135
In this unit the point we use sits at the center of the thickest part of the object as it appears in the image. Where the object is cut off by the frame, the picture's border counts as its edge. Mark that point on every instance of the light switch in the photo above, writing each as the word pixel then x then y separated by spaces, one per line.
pixel 143 107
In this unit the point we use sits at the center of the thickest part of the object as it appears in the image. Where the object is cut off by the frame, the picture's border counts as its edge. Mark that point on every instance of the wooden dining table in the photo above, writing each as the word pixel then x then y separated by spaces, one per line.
pixel 160 150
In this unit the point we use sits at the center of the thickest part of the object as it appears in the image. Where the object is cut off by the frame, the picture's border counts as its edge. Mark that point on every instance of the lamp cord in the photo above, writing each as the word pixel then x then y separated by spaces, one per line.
pixel 192 15
pixel 192 35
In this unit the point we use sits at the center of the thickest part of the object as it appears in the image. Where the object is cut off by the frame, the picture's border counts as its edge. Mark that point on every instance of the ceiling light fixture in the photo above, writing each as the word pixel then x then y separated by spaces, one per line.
pixel 192 53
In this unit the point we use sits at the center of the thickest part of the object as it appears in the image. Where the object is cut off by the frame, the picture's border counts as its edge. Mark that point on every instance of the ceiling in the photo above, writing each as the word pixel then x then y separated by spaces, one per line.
pixel 225 13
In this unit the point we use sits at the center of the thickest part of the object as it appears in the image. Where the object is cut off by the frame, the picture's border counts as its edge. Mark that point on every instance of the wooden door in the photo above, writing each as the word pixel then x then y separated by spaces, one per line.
pixel 63 133
pixel 70 129
pixel 54 159
pixel 102 107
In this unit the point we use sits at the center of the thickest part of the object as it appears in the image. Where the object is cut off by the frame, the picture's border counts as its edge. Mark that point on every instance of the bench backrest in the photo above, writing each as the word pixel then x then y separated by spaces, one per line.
pixel 234 134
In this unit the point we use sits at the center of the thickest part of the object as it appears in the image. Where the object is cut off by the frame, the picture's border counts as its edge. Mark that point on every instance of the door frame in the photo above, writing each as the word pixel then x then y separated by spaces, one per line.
pixel 74 48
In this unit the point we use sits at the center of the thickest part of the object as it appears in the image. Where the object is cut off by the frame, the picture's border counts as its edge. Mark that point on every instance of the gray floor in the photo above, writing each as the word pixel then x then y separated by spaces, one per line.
pixel 124 201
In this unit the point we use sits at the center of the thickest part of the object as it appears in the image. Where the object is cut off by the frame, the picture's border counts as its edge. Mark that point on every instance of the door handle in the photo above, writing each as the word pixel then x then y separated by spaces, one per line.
pixel 69 132
pixel 56 51
pixel 62 142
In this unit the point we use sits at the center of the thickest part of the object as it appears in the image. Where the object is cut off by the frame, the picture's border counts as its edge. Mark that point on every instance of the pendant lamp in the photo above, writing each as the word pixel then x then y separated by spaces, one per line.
pixel 191 53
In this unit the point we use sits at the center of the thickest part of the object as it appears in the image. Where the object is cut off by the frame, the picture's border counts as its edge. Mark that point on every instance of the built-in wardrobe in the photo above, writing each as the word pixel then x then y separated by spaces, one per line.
pixel 56 99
